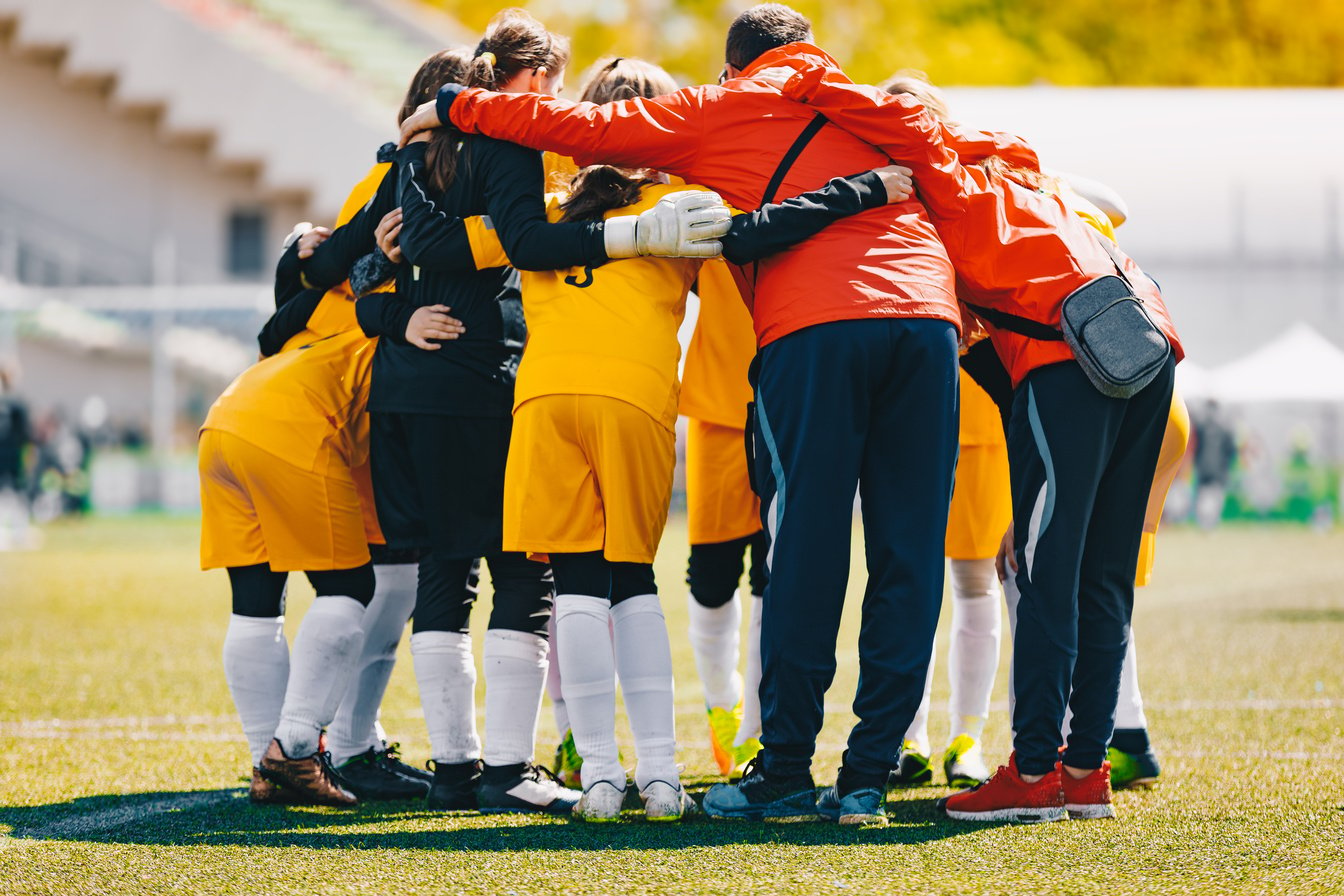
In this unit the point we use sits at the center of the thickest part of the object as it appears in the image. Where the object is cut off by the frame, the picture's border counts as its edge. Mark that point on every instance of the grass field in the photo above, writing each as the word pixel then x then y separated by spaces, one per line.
pixel 121 759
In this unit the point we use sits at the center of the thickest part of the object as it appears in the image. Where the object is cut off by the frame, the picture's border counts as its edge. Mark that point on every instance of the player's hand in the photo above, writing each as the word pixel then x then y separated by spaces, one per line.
pixel 432 322
pixel 386 234
pixel 897 181
pixel 422 119
pixel 685 224
pixel 1005 560
pixel 311 240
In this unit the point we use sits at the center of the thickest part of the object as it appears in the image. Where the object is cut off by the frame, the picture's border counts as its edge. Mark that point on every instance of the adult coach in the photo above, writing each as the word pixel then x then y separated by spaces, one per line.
pixel 857 387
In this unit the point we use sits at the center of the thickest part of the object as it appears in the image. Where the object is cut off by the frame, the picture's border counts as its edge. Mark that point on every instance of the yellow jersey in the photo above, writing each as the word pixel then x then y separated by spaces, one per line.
pixel 607 331
pixel 714 385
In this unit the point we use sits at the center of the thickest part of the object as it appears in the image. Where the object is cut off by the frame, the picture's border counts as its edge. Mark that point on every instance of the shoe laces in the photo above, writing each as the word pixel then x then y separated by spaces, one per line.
pixel 538 772
pixel 324 765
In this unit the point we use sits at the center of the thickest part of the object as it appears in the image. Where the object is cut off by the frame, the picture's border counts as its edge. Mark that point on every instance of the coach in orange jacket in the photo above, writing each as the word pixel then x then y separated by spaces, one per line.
pixel 857 387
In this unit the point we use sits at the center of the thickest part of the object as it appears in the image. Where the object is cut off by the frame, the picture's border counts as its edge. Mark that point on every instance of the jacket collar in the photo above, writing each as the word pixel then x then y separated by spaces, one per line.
pixel 795 55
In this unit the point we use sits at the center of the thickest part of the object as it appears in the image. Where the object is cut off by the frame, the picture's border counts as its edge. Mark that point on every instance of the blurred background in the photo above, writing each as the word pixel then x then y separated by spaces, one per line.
pixel 155 153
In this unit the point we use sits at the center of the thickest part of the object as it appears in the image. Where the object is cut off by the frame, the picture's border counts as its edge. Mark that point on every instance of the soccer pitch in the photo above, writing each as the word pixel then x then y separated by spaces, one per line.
pixel 121 763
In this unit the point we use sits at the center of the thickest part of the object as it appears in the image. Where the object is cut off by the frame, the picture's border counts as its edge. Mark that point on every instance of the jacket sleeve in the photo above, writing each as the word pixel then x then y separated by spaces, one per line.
pixel 973 147
pixel 384 314
pixel 330 262
pixel 288 321
pixel 430 238
pixel 516 202
pixel 666 133
pixel 773 228
pixel 896 124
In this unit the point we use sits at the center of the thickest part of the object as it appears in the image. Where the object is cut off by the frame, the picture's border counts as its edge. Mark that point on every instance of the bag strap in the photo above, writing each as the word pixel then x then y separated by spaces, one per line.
pixel 1025 326
pixel 777 179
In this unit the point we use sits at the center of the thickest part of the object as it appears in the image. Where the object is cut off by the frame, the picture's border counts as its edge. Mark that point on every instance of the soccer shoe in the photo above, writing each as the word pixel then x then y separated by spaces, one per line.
pixel 263 792
pixel 1130 770
pixel 454 786
pixel 370 776
pixel 863 808
pixel 723 728
pixel 1088 797
pixel 760 798
pixel 913 769
pixel 963 763
pixel 601 802
pixel 667 802
pixel 1006 797
pixel 568 762
pixel 523 788
pixel 310 779
pixel 392 760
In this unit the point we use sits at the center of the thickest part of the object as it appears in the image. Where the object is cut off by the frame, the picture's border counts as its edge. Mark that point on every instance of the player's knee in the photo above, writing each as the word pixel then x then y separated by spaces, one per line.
pixel 257 591
pixel 631 580
pixel 714 571
pixel 357 583
pixel 587 573
pixel 445 593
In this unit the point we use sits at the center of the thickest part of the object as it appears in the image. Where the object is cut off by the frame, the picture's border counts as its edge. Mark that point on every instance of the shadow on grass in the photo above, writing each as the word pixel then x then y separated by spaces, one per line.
pixel 1309 615
pixel 227 818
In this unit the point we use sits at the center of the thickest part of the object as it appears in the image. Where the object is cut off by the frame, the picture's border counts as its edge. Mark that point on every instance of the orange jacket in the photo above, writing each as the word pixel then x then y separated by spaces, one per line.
pixel 1014 249
pixel 881 263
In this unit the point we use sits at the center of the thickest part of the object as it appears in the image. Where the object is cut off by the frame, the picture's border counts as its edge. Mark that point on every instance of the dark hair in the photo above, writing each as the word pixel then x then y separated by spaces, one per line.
pixel 514 41
pixel 762 28
pixel 444 67
pixel 598 189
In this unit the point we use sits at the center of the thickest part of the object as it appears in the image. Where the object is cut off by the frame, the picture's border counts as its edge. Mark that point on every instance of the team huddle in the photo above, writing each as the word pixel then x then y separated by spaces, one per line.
pixel 479 364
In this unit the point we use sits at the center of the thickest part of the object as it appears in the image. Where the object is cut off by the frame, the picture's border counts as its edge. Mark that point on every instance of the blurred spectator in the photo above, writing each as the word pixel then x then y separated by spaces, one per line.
pixel 1215 454
pixel 15 440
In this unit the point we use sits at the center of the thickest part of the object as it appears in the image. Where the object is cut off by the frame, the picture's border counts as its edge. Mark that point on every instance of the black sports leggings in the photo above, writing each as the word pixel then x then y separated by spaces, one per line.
pixel 448 588
pixel 260 591
pixel 592 574
pixel 715 569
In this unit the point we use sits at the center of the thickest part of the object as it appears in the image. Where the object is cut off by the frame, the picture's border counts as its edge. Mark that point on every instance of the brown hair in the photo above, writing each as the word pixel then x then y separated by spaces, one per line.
pixel 599 188
pixel 917 84
pixel 514 42
pixel 760 29
pixel 444 67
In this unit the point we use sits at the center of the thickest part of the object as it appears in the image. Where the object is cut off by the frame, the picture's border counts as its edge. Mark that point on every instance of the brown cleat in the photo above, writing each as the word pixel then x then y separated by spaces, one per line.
pixel 263 792
pixel 307 780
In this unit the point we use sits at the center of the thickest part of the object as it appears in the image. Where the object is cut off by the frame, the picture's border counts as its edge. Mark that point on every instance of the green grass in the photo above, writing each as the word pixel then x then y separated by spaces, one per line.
pixel 1241 646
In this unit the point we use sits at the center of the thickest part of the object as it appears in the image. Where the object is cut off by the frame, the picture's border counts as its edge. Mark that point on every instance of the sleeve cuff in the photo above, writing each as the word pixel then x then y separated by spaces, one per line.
pixel 873 193
pixel 444 102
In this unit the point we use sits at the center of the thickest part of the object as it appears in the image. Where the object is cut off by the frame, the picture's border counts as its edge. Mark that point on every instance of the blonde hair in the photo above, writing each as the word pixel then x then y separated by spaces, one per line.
pixel 915 83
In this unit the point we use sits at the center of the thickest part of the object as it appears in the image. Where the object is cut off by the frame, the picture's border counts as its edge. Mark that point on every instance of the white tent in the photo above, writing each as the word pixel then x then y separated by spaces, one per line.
pixel 1195 383
pixel 1301 365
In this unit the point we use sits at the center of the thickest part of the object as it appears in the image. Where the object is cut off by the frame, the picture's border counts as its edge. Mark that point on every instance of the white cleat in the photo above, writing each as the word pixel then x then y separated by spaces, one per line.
pixel 601 802
pixel 667 802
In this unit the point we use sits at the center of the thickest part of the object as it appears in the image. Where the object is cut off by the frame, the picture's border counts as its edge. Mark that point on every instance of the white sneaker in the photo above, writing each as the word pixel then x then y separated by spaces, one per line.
pixel 601 802
pixel 667 802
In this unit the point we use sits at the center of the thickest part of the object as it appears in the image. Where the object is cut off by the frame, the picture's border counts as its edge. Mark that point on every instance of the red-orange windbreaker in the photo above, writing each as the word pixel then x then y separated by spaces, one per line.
pixel 885 262
pixel 1014 249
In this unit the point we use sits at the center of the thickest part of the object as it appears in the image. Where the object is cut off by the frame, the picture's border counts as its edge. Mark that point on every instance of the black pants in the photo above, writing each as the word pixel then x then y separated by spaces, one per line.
pixel 868 404
pixel 448 587
pixel 715 568
pixel 1082 465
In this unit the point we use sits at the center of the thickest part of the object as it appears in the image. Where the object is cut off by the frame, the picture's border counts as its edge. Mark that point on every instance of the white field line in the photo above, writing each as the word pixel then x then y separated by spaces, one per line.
pixel 90 823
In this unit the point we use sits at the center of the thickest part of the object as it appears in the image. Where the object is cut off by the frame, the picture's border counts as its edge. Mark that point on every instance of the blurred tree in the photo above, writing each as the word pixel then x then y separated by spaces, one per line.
pixel 1241 43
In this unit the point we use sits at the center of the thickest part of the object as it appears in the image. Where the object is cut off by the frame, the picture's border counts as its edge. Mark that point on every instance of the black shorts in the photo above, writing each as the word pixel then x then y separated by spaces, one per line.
pixel 438 481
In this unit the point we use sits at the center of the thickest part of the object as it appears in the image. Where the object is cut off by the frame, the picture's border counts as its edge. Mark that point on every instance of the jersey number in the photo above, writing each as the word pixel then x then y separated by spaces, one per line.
pixel 587 278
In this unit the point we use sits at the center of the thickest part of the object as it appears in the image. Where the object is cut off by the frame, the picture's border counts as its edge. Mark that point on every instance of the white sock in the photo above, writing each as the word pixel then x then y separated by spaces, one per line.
pixel 714 634
pixel 918 732
pixel 751 681
pixel 583 630
pixel 325 651
pixel 515 675
pixel 644 664
pixel 256 666
pixel 355 728
pixel 554 690
pixel 973 658
pixel 446 674
pixel 1129 711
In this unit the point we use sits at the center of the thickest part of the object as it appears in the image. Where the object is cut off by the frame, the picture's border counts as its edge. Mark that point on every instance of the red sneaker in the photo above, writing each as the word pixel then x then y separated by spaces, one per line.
pixel 1006 797
pixel 1088 797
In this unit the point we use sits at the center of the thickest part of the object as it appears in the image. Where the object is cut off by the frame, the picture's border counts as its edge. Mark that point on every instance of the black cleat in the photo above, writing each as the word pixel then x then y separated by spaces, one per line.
pixel 454 786
pixel 392 760
pixel 372 776
pixel 524 788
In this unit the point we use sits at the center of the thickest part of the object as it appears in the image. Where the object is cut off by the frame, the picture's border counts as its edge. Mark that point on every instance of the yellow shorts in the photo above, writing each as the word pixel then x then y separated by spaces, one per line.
pixel 1170 459
pixel 720 505
pixel 259 508
pixel 982 503
pixel 373 533
pixel 587 473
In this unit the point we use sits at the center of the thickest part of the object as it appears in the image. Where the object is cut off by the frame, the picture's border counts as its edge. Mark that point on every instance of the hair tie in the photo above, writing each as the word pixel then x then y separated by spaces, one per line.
pixel 490 58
